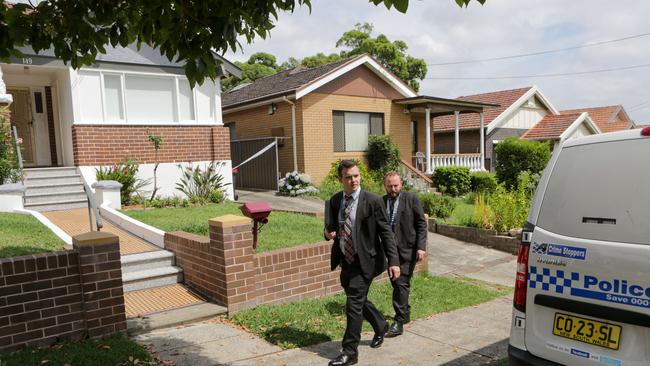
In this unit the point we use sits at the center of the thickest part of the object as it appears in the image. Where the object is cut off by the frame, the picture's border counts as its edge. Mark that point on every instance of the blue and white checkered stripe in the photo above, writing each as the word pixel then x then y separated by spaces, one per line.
pixel 551 280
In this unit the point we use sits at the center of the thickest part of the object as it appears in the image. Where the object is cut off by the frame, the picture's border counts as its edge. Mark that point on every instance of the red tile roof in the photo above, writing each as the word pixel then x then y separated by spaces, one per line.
pixel 504 98
pixel 606 118
pixel 551 127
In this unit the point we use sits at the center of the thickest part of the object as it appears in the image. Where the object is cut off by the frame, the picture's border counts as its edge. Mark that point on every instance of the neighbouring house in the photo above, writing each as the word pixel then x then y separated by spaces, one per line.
pixel 102 114
pixel 609 118
pixel 558 128
pixel 322 114
pixel 518 110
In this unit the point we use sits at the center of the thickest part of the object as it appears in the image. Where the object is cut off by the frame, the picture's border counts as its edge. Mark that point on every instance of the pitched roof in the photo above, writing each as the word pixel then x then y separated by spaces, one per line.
pixel 145 56
pixel 504 98
pixel 606 118
pixel 551 127
pixel 281 83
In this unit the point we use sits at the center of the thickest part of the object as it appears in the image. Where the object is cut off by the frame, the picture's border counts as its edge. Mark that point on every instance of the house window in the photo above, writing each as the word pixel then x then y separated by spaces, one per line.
pixel 149 99
pixel 351 129
pixel 414 136
pixel 113 98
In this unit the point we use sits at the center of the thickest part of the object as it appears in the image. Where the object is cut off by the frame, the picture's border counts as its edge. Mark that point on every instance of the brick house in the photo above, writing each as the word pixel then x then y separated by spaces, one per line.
pixel 326 113
pixel 103 114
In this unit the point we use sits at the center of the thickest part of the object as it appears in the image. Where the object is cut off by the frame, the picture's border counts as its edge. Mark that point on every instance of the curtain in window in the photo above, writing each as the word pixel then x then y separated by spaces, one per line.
pixel 356 131
pixel 113 97
pixel 339 131
pixel 150 99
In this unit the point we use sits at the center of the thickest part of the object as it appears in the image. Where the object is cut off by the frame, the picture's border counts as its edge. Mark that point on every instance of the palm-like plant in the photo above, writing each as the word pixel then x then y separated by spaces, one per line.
pixel 196 182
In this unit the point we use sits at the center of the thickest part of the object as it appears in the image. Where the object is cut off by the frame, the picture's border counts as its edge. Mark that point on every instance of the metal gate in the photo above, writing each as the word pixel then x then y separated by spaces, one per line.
pixel 261 172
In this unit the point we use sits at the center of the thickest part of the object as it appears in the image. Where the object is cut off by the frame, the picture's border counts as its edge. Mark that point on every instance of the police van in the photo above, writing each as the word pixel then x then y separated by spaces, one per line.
pixel 582 292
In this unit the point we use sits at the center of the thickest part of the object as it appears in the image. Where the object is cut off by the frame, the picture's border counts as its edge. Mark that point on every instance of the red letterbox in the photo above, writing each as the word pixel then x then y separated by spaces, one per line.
pixel 259 212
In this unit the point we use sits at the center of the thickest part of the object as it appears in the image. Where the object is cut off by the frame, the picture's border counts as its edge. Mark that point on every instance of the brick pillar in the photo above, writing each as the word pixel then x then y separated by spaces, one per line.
pixel 100 273
pixel 231 241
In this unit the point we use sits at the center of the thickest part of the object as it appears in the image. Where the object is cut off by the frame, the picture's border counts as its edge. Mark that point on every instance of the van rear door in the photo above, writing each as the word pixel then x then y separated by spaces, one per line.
pixel 588 298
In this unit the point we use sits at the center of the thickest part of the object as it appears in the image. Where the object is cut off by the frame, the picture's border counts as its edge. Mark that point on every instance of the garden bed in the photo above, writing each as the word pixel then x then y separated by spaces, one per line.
pixel 23 235
pixel 313 321
pixel 283 230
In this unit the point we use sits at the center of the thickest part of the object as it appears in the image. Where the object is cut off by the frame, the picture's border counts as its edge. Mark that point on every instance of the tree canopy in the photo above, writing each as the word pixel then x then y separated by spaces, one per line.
pixel 187 31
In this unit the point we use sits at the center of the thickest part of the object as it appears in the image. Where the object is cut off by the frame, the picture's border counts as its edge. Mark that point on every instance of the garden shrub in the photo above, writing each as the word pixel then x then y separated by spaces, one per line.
pixel 437 205
pixel 453 180
pixel 296 184
pixel 514 156
pixel 510 208
pixel 483 182
pixel 383 154
pixel 217 196
pixel 198 184
pixel 482 213
pixel 10 171
pixel 125 173
pixel 368 181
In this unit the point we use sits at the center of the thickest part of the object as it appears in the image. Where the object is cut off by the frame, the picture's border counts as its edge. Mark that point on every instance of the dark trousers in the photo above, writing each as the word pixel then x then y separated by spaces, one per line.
pixel 358 307
pixel 401 290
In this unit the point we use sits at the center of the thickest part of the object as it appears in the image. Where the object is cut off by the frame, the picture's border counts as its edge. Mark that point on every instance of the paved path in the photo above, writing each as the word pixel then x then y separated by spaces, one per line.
pixel 75 222
pixel 471 336
pixel 307 204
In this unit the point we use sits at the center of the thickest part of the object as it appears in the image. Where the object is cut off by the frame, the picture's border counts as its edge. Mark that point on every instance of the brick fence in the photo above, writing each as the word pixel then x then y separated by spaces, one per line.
pixel 62 295
pixel 98 144
pixel 224 268
pixel 486 238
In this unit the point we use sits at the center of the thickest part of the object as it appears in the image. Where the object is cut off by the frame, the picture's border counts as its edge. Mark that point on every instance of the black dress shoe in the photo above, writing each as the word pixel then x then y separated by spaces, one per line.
pixel 378 339
pixel 344 360
pixel 396 329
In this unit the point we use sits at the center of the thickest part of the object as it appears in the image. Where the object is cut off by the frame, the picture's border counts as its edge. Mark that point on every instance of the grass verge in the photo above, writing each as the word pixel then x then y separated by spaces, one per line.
pixel 114 350
pixel 503 362
pixel 462 214
pixel 23 235
pixel 313 321
pixel 283 230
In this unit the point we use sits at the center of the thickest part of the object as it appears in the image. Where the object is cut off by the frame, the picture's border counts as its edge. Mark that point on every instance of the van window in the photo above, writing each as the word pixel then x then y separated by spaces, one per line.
pixel 600 182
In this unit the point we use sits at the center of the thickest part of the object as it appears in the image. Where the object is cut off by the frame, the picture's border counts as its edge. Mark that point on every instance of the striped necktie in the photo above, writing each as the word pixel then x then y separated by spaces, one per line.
pixel 347 230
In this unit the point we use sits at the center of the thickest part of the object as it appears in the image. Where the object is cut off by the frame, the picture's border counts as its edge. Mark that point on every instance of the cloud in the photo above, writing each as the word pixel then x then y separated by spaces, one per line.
pixel 440 31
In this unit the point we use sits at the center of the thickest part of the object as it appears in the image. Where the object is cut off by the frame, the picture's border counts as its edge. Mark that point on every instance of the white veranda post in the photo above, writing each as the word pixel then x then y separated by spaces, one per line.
pixel 427 123
pixel 482 146
pixel 457 137
pixel 5 99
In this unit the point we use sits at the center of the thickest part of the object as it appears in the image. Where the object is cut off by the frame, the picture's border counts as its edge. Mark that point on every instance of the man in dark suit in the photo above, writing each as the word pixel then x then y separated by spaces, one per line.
pixel 406 219
pixel 357 222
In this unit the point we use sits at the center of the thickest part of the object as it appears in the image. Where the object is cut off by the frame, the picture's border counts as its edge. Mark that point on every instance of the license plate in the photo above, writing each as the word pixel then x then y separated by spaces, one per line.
pixel 587 331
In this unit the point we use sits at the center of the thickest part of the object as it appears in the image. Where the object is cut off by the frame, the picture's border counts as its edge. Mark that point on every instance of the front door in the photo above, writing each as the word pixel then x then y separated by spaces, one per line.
pixel 21 117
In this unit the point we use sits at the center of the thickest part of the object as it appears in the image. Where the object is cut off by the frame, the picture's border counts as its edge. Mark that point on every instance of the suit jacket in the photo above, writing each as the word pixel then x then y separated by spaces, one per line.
pixel 410 226
pixel 374 240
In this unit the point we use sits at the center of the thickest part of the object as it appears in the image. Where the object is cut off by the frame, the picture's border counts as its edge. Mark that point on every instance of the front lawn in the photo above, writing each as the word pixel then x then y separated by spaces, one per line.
pixel 283 230
pixel 114 350
pixel 23 235
pixel 462 214
pixel 313 321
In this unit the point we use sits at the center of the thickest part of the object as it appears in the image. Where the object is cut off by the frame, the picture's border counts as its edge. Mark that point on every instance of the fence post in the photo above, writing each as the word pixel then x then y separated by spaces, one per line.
pixel 100 273
pixel 231 240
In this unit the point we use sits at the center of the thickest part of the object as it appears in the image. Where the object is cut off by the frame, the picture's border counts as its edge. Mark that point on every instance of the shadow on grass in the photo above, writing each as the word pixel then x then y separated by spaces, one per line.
pixel 290 336
pixel 335 307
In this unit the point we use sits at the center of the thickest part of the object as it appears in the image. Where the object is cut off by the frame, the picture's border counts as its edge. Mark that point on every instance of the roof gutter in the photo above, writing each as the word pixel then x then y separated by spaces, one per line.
pixel 294 142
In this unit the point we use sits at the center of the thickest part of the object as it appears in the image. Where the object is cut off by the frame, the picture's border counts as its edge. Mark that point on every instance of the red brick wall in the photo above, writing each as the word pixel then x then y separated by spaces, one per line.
pixel 109 144
pixel 41 298
pixel 224 268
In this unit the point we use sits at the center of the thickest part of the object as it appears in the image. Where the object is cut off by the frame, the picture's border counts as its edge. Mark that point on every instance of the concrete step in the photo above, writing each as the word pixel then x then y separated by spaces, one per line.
pixel 53 179
pixel 74 195
pixel 172 317
pixel 53 188
pixel 148 260
pixel 57 205
pixel 46 172
pixel 150 278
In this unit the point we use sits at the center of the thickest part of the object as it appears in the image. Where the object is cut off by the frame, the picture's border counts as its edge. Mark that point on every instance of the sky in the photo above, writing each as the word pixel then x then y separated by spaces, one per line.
pixel 439 31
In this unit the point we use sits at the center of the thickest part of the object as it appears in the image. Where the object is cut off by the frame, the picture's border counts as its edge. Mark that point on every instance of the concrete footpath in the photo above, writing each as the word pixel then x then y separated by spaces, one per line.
pixel 475 335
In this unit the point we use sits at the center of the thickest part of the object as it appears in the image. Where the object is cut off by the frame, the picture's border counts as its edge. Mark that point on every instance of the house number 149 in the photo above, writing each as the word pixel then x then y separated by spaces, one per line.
pixel 27 60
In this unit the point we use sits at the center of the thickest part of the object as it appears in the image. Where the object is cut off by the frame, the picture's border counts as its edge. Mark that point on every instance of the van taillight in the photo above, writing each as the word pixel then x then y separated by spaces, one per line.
pixel 521 282
pixel 645 131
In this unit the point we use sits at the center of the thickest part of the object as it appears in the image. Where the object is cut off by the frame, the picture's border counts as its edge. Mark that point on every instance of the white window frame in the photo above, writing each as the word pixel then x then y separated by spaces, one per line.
pixel 176 95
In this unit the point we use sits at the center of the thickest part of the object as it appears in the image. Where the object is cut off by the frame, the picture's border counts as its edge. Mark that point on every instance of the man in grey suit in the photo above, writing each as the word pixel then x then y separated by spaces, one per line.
pixel 407 221
pixel 357 222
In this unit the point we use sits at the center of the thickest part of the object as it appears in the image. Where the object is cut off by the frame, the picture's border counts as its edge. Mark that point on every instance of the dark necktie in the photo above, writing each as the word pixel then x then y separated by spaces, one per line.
pixel 391 213
pixel 347 230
